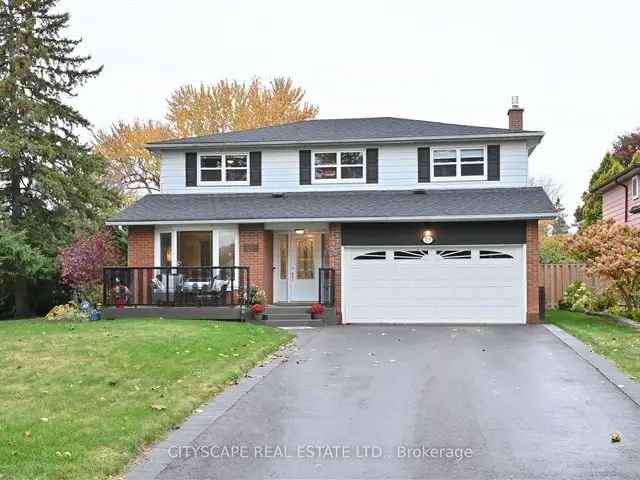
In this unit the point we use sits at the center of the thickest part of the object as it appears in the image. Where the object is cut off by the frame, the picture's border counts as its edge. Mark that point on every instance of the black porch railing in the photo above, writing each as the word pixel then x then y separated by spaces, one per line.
pixel 175 286
pixel 327 287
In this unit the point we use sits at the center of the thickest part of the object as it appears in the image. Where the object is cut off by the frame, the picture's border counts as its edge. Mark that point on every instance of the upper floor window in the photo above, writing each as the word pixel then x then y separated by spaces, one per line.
pixel 223 169
pixel 338 166
pixel 469 163
pixel 635 187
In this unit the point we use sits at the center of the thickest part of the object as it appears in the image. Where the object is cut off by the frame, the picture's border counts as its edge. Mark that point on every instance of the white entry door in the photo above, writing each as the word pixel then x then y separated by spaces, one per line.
pixel 305 256
pixel 434 285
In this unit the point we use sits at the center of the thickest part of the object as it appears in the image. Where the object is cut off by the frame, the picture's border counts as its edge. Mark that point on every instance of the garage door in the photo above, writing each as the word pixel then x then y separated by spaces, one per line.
pixel 434 285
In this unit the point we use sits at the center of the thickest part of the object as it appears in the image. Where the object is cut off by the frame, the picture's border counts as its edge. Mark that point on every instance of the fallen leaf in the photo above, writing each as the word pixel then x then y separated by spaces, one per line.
pixel 158 408
pixel 616 437
pixel 44 419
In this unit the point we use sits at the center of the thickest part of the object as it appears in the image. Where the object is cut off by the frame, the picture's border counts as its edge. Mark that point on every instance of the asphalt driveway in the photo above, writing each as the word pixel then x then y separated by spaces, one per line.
pixel 374 402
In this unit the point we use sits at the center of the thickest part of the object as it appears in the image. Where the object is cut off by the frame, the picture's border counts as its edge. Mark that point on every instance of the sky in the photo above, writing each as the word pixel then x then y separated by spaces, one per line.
pixel 574 64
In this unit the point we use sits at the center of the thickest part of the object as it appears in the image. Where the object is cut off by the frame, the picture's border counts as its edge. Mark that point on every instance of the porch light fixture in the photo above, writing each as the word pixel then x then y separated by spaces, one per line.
pixel 427 237
pixel 300 231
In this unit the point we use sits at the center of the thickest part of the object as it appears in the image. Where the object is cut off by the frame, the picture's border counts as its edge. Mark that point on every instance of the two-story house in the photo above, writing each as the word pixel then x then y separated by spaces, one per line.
pixel 383 219
pixel 621 197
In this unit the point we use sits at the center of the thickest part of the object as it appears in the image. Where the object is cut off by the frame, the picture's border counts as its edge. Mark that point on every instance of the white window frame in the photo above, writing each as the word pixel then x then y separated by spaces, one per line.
pixel 338 166
pixel 458 177
pixel 223 169
pixel 635 187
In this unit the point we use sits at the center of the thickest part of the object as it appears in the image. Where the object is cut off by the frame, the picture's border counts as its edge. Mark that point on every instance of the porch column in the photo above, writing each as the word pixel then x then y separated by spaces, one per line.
pixel 533 266
pixel 140 245
pixel 256 252
pixel 335 262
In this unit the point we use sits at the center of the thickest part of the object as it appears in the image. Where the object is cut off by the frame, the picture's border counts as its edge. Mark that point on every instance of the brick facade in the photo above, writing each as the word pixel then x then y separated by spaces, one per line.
pixel 516 118
pixel 256 252
pixel 533 261
pixel 335 262
pixel 140 245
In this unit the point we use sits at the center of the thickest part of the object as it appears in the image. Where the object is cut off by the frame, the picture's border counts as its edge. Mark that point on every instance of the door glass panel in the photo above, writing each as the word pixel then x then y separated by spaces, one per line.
pixel 194 249
pixel 165 249
pixel 284 254
pixel 305 267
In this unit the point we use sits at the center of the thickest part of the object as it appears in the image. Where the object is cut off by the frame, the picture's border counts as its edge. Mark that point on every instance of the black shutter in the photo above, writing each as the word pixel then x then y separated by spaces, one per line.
pixel 191 169
pixel 255 168
pixel 305 167
pixel 424 165
pixel 493 162
pixel 372 165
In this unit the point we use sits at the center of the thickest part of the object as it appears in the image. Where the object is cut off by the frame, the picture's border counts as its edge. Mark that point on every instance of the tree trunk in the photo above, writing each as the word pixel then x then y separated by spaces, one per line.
pixel 23 306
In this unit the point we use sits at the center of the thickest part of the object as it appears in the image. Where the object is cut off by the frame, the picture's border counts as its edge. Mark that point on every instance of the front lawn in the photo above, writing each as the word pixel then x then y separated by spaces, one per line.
pixel 618 343
pixel 78 401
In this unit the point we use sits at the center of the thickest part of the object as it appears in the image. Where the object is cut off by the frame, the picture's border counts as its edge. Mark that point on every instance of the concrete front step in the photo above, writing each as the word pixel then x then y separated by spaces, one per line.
pixel 287 316
pixel 310 322
pixel 287 310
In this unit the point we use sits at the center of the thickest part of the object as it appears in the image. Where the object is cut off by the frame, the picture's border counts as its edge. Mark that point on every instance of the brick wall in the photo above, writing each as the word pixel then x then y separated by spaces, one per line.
pixel 533 262
pixel 140 244
pixel 516 118
pixel 256 252
pixel 335 262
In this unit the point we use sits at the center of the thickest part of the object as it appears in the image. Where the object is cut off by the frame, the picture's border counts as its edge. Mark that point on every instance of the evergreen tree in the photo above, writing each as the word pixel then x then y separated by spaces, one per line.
pixel 560 226
pixel 50 182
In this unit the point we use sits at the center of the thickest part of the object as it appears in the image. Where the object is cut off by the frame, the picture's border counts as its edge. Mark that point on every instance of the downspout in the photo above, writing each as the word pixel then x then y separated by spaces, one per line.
pixel 626 199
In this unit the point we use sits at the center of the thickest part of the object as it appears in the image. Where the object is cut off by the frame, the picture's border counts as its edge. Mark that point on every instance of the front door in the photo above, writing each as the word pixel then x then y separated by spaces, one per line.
pixel 296 259
pixel 306 249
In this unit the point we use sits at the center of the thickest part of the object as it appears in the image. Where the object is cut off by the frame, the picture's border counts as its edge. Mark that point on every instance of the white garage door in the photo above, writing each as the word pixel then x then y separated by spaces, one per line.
pixel 434 285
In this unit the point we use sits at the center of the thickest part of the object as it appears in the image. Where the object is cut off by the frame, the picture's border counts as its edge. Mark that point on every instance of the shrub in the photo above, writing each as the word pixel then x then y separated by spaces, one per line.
pixel 612 252
pixel 580 298
pixel 67 312
pixel 257 296
pixel 621 311
pixel 554 249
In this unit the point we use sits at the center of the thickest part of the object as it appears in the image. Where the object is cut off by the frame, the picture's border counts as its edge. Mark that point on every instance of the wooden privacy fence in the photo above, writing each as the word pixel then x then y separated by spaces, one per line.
pixel 556 277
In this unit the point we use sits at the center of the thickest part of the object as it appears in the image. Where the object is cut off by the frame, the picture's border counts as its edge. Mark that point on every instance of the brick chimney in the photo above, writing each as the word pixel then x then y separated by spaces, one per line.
pixel 515 114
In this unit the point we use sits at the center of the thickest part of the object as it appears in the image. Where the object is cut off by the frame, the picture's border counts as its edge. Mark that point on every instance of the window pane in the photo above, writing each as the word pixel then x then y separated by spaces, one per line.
pixel 326 172
pixel 472 155
pixel 351 172
pixel 325 158
pixel 165 249
pixel 284 257
pixel 444 170
pixel 210 175
pixel 236 175
pixel 305 247
pixel 351 158
pixel 194 249
pixel 444 156
pixel 227 248
pixel 472 169
pixel 236 161
pixel 212 161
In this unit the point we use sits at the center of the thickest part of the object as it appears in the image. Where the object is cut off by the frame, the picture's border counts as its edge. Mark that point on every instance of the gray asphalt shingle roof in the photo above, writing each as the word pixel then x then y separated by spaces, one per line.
pixel 434 203
pixel 344 129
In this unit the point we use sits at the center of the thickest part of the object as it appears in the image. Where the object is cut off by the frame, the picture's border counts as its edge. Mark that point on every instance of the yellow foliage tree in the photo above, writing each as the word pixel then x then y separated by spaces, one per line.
pixel 231 105
pixel 132 167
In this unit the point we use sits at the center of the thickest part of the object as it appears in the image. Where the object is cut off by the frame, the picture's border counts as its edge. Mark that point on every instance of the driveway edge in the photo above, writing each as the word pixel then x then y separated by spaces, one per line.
pixel 609 370
pixel 157 458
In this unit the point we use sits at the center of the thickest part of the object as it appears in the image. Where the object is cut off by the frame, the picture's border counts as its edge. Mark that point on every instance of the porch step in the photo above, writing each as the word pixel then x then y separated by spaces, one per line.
pixel 299 310
pixel 294 322
pixel 287 316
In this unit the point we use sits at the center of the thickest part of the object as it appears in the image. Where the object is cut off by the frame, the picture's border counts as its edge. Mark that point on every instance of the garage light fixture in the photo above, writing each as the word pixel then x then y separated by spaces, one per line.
pixel 300 231
pixel 427 237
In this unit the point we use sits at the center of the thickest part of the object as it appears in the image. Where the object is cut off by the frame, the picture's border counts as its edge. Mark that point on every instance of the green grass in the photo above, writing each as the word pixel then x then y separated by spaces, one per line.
pixel 618 343
pixel 76 399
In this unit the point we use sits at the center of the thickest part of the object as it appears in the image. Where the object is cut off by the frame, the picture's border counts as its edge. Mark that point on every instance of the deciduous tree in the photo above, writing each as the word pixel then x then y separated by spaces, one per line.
pixel 612 251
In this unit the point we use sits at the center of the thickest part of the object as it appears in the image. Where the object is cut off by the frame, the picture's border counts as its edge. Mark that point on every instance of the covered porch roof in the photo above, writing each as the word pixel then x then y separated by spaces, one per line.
pixel 476 204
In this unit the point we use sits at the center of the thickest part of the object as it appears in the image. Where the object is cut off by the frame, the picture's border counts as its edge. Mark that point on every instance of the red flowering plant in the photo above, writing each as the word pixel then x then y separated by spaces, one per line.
pixel 612 251
pixel 257 309
pixel 316 309
pixel 81 263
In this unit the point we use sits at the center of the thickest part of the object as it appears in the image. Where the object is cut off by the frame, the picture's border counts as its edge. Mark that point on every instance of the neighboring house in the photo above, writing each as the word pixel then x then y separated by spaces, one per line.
pixel 382 219
pixel 621 197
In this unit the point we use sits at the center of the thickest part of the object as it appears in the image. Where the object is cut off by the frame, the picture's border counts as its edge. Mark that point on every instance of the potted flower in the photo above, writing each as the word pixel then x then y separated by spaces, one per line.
pixel 257 310
pixel 120 295
pixel 316 310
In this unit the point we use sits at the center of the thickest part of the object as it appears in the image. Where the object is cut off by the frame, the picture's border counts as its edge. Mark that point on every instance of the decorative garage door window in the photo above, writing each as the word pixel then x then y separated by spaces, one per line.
pixel 455 254
pixel 493 254
pixel 372 256
pixel 410 254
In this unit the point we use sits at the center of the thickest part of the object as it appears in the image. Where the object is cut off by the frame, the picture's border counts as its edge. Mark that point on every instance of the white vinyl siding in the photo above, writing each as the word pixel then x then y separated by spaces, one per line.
pixel 397 170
